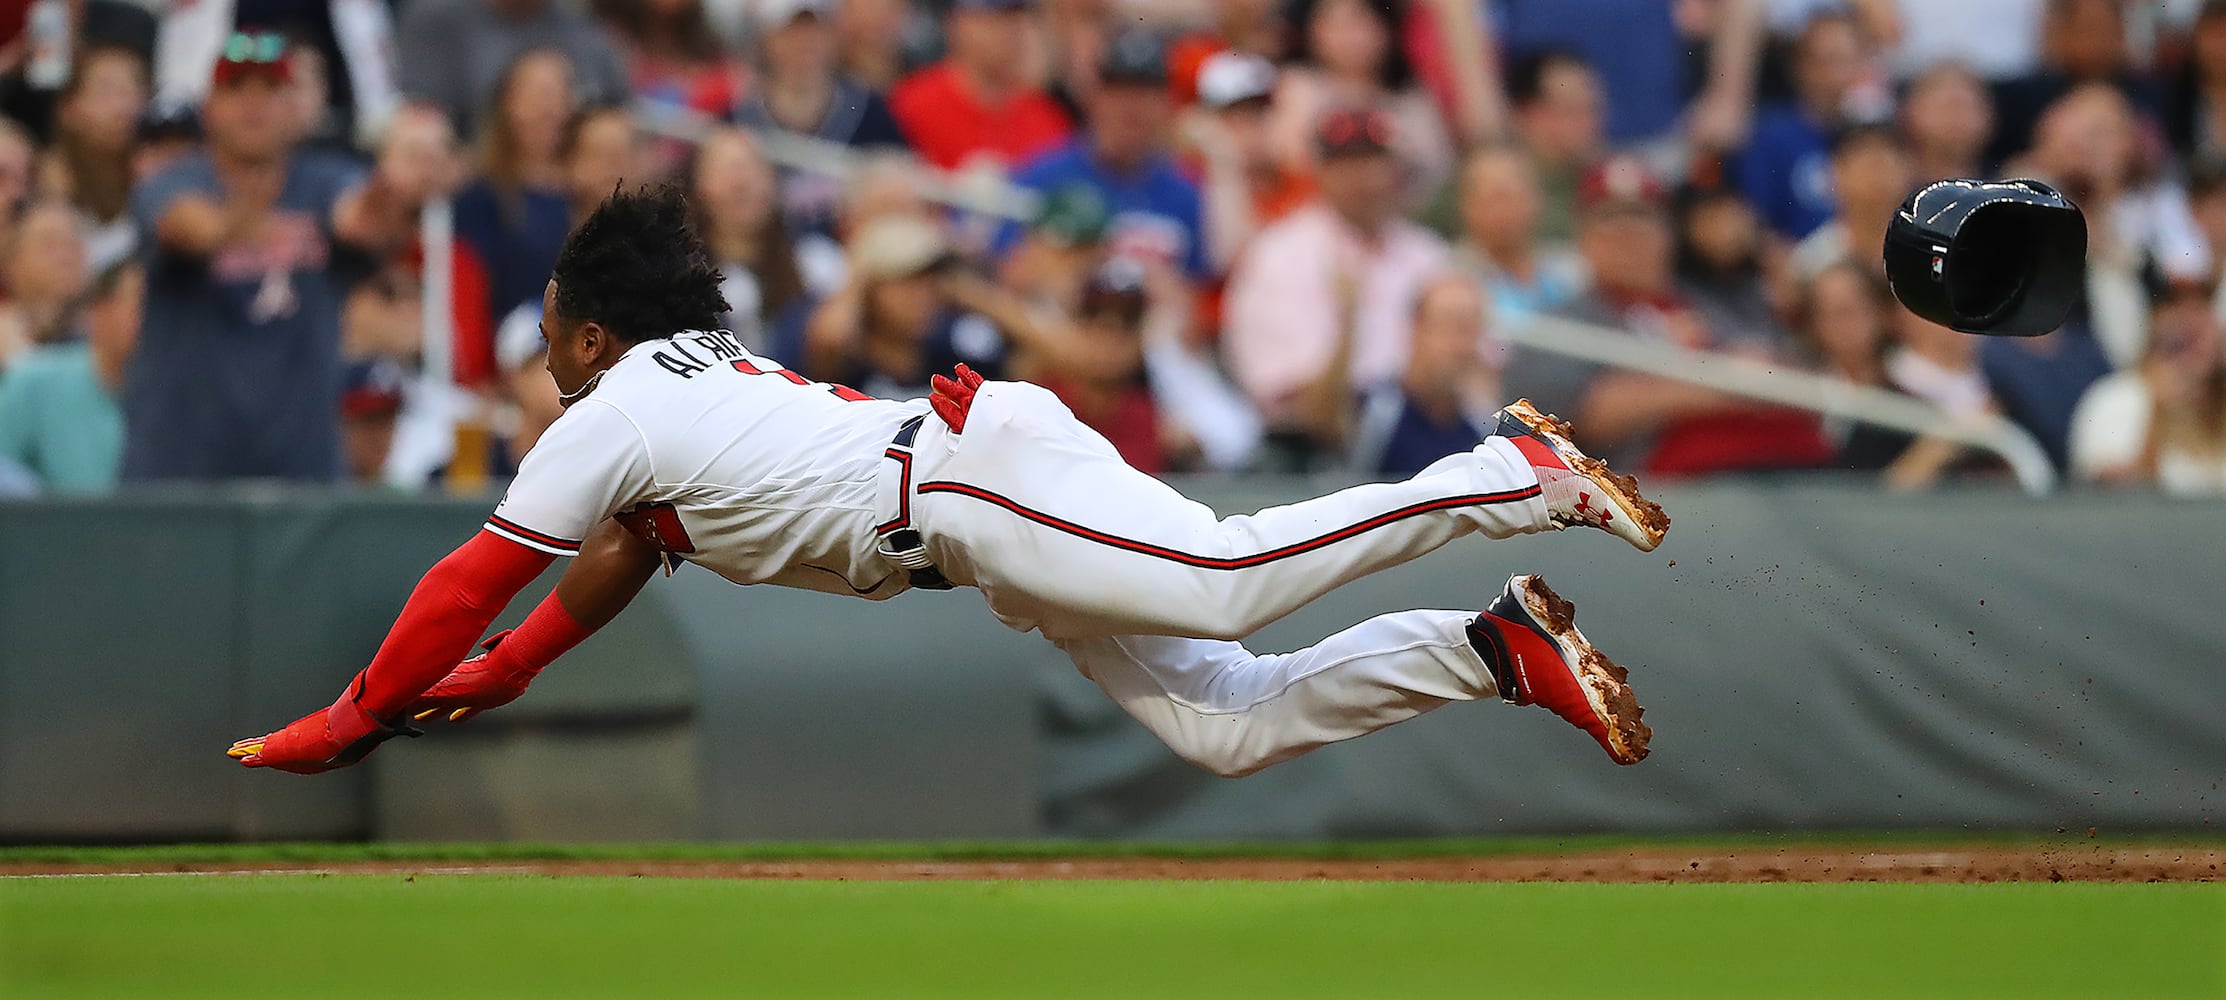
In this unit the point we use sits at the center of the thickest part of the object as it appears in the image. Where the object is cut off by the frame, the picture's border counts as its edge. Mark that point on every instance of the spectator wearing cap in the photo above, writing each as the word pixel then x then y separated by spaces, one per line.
pixel 1245 186
pixel 672 56
pixel 369 408
pixel 1871 177
pixel 1154 209
pixel 1245 27
pixel 908 311
pixel 1336 280
pixel 977 104
pixel 343 53
pixel 1105 385
pixel 453 52
pixel 801 91
pixel 1785 170
pixel 90 161
pixel 1560 110
pixel 1442 404
pixel 515 214
pixel 731 194
pixel 1347 55
pixel 1639 420
pixel 1062 248
pixel 1500 246
pixel 250 250
pixel 2083 42
pixel 60 418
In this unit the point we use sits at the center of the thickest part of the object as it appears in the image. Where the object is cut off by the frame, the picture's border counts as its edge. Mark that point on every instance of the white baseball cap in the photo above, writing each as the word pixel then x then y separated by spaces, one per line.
pixel 1228 78
pixel 776 13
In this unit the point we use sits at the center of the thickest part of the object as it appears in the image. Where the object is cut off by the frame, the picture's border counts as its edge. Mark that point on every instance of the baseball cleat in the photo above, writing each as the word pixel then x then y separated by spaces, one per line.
pixel 1529 639
pixel 1581 489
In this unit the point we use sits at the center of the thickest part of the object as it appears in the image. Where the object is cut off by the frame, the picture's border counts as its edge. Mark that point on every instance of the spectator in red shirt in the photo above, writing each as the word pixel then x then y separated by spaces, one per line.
pixel 976 104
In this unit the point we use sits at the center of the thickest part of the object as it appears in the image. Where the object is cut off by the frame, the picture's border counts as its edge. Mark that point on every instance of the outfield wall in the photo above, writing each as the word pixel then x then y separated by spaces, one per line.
pixel 1817 656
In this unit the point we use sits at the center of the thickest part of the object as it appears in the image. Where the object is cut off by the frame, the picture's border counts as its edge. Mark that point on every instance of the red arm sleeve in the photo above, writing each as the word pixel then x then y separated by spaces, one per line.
pixel 452 605
pixel 549 632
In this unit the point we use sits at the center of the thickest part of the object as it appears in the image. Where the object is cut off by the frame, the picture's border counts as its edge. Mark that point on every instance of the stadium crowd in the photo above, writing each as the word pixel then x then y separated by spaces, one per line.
pixel 308 239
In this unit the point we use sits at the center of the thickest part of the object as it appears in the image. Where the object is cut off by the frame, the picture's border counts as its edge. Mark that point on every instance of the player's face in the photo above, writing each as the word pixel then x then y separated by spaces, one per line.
pixel 576 348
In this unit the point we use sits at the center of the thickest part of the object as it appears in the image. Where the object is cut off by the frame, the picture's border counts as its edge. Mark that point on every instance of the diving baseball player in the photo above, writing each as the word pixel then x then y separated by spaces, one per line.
pixel 678 444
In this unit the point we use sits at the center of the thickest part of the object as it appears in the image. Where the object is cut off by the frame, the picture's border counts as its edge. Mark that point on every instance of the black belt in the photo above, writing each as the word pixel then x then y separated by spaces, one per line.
pixel 898 540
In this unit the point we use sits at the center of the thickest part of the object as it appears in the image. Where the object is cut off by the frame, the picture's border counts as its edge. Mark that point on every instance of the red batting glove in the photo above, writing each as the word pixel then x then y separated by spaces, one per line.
pixel 476 685
pixel 951 399
pixel 323 740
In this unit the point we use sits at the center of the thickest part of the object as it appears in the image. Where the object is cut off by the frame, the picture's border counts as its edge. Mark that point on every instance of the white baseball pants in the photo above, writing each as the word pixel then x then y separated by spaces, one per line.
pixel 1146 590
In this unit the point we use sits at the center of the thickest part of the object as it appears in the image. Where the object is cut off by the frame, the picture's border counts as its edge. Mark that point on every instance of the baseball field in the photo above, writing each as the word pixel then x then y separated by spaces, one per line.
pixel 1904 915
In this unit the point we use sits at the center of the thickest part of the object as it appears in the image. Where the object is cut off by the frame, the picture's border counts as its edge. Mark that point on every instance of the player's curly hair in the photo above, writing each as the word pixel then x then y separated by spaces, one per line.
pixel 637 267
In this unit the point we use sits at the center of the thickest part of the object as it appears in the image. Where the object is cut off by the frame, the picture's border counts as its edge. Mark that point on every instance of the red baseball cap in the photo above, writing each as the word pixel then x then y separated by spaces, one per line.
pixel 254 55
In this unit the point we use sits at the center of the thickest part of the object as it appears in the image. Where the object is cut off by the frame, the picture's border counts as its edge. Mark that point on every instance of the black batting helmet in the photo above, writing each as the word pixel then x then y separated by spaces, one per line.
pixel 2004 258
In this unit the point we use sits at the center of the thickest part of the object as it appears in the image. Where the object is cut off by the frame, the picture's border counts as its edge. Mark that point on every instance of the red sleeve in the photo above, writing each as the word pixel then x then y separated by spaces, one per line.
pixel 452 605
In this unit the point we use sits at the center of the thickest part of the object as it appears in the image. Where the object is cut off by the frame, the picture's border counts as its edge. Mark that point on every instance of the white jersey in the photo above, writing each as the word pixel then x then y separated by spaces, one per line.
pixel 719 457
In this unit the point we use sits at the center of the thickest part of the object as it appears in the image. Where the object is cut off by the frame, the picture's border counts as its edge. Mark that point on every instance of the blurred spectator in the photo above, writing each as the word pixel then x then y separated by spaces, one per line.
pixel 1721 250
pixel 1244 184
pixel 1499 246
pixel 1997 39
pixel 977 103
pixel 1105 384
pixel 165 136
pixel 2038 381
pixel 515 215
pixel 2138 220
pixel 2082 42
pixel 1055 259
pixel 673 58
pixel 1947 119
pixel 343 52
pixel 908 311
pixel 456 52
pixel 369 406
pixel 1287 321
pixel 800 92
pixel 1937 365
pixel 1642 420
pixel 1560 111
pixel 524 359
pixel 384 317
pixel 18 158
pixel 238 369
pixel 2164 421
pixel 1640 54
pixel 602 150
pixel 731 187
pixel 1245 27
pixel 2197 125
pixel 875 39
pixel 59 414
pixel 1870 179
pixel 1443 403
pixel 1785 170
pixel 45 271
pixel 1123 157
pixel 90 163
pixel 1347 56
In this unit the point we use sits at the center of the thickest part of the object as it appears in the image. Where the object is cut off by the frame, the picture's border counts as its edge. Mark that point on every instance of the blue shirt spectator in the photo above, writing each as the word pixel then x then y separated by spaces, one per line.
pixel 2038 381
pixel 1154 211
pixel 1786 171
pixel 1633 44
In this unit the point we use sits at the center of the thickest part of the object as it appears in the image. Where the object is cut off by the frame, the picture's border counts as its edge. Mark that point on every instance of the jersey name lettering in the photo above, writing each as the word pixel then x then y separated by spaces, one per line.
pixel 679 360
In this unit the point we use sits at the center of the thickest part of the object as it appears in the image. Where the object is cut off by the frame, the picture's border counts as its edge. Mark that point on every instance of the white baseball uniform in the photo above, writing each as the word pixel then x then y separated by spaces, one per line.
pixel 730 461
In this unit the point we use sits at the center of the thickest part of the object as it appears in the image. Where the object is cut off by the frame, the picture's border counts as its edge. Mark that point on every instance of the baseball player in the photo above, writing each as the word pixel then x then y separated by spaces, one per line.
pixel 678 444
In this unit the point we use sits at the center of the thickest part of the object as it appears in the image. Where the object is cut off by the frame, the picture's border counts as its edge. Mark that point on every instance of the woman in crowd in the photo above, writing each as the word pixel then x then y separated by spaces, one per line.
pixel 733 194
pixel 1842 316
pixel 516 215
pixel 1947 118
pixel 601 149
pixel 1720 261
pixel 1348 55
pixel 42 265
pixel 96 121
pixel 2164 421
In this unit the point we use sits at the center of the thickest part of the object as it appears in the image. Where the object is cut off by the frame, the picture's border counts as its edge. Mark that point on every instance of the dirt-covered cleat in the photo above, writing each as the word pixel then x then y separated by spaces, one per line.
pixel 1581 489
pixel 1529 639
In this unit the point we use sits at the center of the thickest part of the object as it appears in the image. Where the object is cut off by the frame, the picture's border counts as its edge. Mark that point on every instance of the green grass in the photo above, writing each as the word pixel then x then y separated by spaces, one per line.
pixel 1026 849
pixel 331 935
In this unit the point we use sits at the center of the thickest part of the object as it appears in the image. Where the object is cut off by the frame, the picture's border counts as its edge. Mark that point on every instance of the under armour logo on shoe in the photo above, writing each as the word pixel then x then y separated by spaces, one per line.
pixel 1590 514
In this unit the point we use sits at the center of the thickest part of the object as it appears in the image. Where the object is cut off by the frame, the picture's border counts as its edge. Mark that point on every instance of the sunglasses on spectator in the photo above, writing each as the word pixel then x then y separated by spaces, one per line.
pixel 254 54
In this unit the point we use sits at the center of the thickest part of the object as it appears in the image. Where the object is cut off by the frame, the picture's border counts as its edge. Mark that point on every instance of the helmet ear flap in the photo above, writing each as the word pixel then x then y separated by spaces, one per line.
pixel 2004 259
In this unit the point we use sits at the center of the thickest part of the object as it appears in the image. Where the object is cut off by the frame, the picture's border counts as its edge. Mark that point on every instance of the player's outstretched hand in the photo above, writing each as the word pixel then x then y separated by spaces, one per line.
pixel 476 685
pixel 323 740
pixel 951 398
